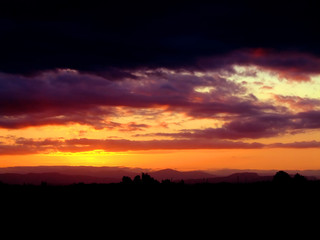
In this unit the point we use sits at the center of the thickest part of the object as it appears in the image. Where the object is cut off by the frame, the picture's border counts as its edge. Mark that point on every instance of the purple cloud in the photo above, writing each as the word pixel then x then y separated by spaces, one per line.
pixel 67 96
pixel 251 127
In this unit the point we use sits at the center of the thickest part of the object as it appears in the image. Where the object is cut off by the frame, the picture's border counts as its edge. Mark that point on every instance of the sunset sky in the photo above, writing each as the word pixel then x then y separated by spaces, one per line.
pixel 178 84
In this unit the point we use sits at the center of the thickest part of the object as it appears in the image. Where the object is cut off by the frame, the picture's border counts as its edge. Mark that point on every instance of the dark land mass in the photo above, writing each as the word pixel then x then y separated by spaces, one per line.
pixel 118 189
pixel 66 175
pixel 52 178
pixel 142 203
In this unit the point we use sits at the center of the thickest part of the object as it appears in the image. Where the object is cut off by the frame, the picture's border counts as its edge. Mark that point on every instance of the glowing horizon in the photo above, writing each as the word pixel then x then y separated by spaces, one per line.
pixel 236 116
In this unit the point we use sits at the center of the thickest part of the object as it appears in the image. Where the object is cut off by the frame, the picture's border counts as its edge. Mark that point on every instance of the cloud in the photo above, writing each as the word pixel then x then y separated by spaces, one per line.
pixel 32 146
pixel 266 87
pixel 289 65
pixel 24 146
pixel 303 144
pixel 298 103
pixel 55 34
pixel 68 96
pixel 133 126
pixel 307 120
pixel 250 127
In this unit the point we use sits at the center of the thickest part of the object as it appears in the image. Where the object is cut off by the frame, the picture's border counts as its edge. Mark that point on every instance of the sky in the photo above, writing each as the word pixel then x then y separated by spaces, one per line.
pixel 188 85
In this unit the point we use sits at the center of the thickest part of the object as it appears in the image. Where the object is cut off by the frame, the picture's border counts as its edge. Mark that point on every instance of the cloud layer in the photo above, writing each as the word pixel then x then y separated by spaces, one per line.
pixel 24 146
pixel 124 67
pixel 67 96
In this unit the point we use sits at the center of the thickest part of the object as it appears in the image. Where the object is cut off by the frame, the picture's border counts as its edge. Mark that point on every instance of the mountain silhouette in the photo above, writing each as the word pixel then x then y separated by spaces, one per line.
pixel 88 174
pixel 245 177
pixel 175 175
pixel 111 172
pixel 64 175
pixel 52 179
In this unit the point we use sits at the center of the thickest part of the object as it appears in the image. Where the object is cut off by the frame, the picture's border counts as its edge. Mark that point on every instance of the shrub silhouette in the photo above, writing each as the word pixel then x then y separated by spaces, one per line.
pixel 144 179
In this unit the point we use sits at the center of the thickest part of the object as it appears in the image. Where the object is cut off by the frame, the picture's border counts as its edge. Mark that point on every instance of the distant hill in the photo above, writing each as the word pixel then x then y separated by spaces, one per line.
pixel 115 173
pixel 51 179
pixel 227 172
pixel 68 175
pixel 245 177
pixel 174 175
pixel 110 172
pixel 64 175
pixel 188 177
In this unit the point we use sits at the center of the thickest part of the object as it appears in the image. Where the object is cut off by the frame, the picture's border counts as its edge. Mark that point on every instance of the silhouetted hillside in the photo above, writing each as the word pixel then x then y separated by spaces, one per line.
pixel 310 174
pixel 111 172
pixel 174 175
pixel 101 174
pixel 64 175
pixel 246 177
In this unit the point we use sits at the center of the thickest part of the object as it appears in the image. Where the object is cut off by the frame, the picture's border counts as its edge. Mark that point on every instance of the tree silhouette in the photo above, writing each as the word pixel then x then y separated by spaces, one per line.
pixel 166 181
pixel 299 179
pixel 282 177
pixel 126 180
pixel 137 179
pixel 147 179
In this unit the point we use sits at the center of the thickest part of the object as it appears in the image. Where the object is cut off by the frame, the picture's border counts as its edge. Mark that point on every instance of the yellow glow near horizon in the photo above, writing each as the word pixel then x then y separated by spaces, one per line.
pixel 290 159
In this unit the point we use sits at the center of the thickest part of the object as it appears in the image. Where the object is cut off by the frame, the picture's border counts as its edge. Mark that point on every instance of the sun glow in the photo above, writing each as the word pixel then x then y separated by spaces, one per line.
pixel 88 158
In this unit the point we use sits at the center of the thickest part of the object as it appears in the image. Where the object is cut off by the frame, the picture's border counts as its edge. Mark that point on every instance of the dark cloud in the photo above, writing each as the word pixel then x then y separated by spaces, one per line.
pixel 231 106
pixel 289 65
pixel 68 96
pixel 304 144
pixel 90 36
pixel 253 127
pixel 308 120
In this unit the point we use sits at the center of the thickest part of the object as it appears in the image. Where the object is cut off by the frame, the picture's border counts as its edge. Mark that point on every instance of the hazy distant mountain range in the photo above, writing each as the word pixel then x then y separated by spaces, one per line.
pixel 64 175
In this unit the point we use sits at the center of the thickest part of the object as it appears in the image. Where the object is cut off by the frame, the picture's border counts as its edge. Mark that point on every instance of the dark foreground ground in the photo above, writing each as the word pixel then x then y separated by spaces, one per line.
pixel 154 198
pixel 184 208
